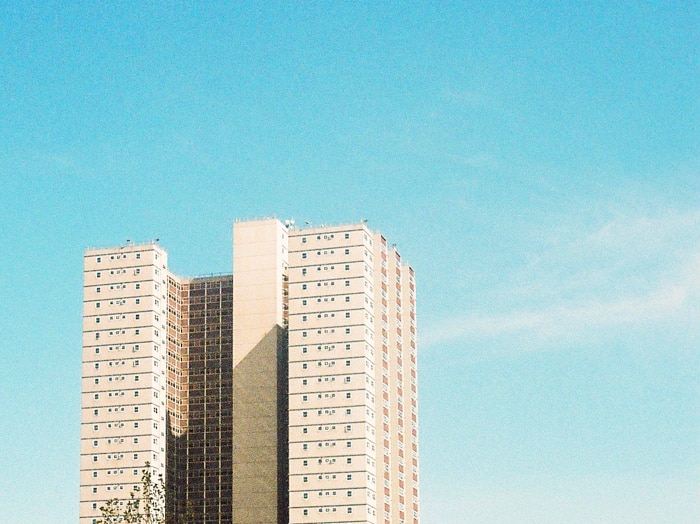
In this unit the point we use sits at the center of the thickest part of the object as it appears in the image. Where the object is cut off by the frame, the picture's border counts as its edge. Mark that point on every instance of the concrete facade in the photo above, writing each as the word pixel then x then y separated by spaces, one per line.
pixel 286 392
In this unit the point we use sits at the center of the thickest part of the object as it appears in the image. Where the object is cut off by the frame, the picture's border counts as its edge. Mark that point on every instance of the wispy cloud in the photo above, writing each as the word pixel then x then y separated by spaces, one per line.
pixel 581 500
pixel 634 271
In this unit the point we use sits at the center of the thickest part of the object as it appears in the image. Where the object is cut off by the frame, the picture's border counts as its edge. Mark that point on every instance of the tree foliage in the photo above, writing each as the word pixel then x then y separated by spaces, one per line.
pixel 146 504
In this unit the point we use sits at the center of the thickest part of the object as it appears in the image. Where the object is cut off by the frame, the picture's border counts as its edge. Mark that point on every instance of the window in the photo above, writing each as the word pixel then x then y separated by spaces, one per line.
pixel 347 251
pixel 347 283
pixel 350 510
pixel 98 274
pixel 347 267
pixel 303 255
pixel 138 286
pixel 97 290
pixel 137 316
pixel 347 235
pixel 99 259
pixel 306 511
pixel 138 300
pixel 138 255
pixel 349 477
pixel 303 286
pixel 347 314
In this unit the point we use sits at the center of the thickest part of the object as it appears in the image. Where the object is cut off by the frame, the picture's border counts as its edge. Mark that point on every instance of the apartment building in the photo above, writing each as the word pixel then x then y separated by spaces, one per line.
pixel 286 392
pixel 123 419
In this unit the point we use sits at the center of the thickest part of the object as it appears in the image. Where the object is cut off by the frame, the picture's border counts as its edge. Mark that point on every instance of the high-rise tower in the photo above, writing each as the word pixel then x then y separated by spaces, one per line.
pixel 123 421
pixel 284 393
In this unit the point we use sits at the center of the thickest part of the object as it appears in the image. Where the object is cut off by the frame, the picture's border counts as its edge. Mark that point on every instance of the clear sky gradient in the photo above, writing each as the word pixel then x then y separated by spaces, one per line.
pixel 538 164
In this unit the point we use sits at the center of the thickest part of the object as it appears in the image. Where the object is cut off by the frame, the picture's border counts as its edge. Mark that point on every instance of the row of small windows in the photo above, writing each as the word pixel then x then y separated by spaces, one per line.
pixel 304 318
pixel 120 302
pixel 122 255
pixel 328 476
pixel 325 283
pixel 329 236
pixel 137 316
pixel 112 363
pixel 325 347
pixel 117 378
pixel 327 444
pixel 328 494
pixel 123 332
pixel 326 252
pixel 137 285
pixel 95 443
pixel 135 347
pixel 331 411
pixel 332 427
pixel 330 331
pixel 325 268
pixel 305 398
pixel 305 511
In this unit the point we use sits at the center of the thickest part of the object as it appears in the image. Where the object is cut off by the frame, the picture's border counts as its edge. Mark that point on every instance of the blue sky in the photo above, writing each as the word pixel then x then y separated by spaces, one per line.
pixel 538 165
